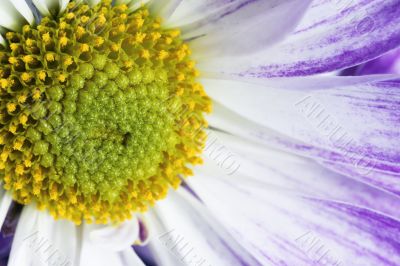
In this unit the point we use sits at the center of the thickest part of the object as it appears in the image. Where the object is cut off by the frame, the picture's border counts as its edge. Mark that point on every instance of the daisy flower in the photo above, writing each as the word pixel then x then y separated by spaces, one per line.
pixel 107 107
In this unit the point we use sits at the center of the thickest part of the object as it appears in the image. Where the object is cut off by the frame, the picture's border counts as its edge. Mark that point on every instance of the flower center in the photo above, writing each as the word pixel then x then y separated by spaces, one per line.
pixel 100 113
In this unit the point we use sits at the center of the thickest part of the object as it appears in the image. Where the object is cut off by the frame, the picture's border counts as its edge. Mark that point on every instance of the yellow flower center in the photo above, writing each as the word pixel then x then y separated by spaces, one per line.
pixel 100 113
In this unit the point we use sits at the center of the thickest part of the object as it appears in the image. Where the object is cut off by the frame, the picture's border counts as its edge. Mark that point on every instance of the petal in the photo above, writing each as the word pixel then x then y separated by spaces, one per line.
pixel 387 63
pixel 189 11
pixel 308 83
pixel 93 2
pixel 23 8
pixel 281 229
pixel 5 202
pixel 241 29
pixel 44 5
pixel 2 40
pixel 132 4
pixel 63 5
pixel 110 245
pixel 239 159
pixel 92 255
pixel 40 240
pixel 208 244
pixel 159 252
pixel 355 126
pixel 114 238
pixel 11 221
pixel 164 8
pixel 14 14
pixel 332 36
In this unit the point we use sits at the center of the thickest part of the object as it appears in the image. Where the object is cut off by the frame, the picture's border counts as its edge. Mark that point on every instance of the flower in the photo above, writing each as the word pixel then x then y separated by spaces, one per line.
pixel 299 168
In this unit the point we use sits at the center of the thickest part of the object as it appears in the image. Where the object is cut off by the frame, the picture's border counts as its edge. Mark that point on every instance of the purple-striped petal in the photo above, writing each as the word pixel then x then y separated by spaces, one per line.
pixel 238 159
pixel 355 126
pixel 387 63
pixel 332 36
pixel 281 229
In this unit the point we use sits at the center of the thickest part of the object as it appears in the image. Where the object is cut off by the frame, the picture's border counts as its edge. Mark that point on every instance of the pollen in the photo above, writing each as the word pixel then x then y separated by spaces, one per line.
pixel 4 83
pixel 14 46
pixel 94 113
pixel 114 47
pixel 62 78
pixel 70 16
pixel 46 38
pixel 22 98
pixel 140 37
pixel 28 59
pixel 63 41
pixel 13 60
pixel 36 94
pixel 84 47
pixel 42 75
pixel 162 55
pixel 26 76
pixel 84 19
pixel 99 41
pixel 29 42
pixel 145 54
pixel 23 119
pixel 11 107
pixel 50 57
pixel 80 31
pixel 102 19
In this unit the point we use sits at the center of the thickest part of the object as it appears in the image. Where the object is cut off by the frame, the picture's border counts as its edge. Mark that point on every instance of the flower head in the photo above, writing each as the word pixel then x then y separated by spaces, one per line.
pixel 103 108
pixel 101 112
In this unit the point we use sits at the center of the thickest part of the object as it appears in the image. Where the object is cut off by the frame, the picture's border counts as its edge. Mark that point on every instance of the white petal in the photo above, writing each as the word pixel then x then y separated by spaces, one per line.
pixel 132 4
pixel 40 240
pixel 164 8
pixel 51 7
pixel 120 2
pixel 135 4
pixel 2 40
pixel 5 202
pixel 110 245
pixel 114 238
pixel 192 235
pixel 24 10
pixel 244 28
pixel 14 14
pixel 93 2
pixel 63 5
pixel 190 11
pixel 162 255
pixel 42 6
pixel 92 255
